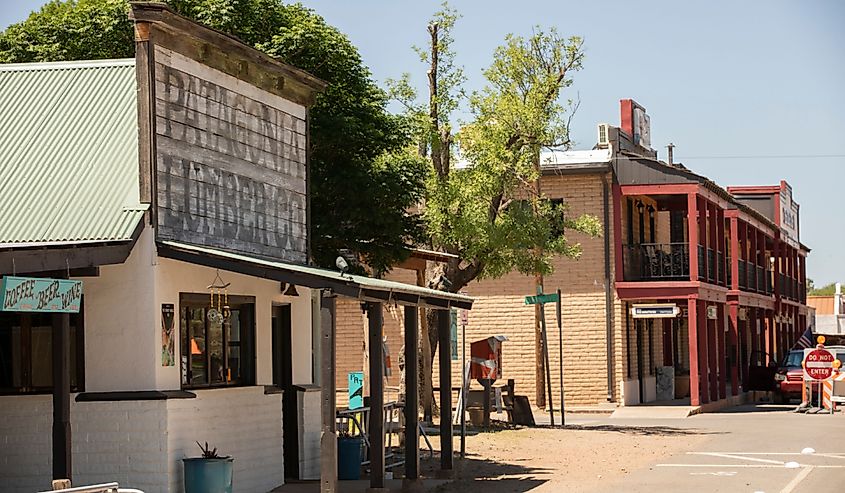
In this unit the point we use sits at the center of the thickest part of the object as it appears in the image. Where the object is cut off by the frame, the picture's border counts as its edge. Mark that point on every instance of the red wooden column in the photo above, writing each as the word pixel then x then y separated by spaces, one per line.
pixel 695 393
pixel 692 227
pixel 778 255
pixel 735 255
pixel 713 357
pixel 733 342
pixel 702 238
pixel 721 266
pixel 752 258
pixel 722 352
pixel 713 242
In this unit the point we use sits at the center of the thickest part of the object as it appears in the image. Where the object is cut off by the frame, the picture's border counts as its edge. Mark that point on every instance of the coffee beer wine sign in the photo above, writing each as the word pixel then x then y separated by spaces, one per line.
pixel 28 294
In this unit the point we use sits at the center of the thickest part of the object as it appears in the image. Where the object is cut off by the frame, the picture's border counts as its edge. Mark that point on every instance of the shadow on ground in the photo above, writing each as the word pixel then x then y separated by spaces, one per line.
pixel 493 476
pixel 666 431
pixel 759 408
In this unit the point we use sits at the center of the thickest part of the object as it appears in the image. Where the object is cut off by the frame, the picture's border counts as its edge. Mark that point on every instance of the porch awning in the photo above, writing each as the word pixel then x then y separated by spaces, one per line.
pixel 352 286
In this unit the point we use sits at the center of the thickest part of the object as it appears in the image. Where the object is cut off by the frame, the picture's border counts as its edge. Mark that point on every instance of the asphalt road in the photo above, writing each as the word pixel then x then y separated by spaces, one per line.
pixel 752 448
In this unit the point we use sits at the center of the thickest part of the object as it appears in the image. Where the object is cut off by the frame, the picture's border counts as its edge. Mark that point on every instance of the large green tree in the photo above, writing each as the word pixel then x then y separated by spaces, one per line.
pixel 364 180
pixel 490 212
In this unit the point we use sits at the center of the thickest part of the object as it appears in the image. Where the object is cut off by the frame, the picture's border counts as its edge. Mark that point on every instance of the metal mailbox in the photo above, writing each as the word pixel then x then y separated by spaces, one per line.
pixel 486 363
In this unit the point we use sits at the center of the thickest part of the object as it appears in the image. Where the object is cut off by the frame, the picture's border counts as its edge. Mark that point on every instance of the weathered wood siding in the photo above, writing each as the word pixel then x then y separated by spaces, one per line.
pixel 230 162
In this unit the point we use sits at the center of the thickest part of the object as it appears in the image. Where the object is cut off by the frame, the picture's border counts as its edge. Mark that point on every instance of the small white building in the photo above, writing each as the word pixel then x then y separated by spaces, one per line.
pixel 174 186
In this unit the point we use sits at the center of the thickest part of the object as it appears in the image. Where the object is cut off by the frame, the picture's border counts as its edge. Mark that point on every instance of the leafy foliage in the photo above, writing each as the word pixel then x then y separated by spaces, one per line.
pixel 486 212
pixel 363 178
pixel 826 290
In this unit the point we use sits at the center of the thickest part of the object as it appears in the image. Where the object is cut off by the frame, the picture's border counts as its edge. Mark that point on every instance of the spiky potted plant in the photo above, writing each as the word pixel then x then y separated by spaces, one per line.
pixel 210 473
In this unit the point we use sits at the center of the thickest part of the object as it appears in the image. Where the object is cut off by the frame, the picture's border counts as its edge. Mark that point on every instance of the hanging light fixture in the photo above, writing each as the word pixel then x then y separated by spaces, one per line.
pixel 291 290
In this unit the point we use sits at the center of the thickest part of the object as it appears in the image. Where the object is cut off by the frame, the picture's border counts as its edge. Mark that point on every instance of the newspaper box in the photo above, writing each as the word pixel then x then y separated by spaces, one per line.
pixel 486 363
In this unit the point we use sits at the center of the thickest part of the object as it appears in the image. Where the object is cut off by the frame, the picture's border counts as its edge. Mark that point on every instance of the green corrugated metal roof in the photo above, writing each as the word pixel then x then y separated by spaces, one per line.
pixel 68 152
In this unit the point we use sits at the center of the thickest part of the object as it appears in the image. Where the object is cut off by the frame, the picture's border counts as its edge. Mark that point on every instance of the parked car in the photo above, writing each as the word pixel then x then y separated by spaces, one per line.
pixel 790 374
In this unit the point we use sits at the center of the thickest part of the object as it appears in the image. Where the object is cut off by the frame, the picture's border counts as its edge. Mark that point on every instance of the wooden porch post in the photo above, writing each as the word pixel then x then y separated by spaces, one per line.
pixel 376 423
pixel 735 255
pixel 328 397
pixel 444 352
pixel 412 401
pixel 62 464
pixel 722 352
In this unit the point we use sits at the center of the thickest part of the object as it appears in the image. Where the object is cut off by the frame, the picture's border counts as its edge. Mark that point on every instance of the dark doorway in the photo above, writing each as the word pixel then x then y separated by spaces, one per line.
pixel 283 378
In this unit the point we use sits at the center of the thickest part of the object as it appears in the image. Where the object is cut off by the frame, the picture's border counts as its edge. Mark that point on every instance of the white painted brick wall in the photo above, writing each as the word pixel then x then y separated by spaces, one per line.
pixel 241 422
pixel 309 435
pixel 141 444
pixel 26 443
pixel 120 441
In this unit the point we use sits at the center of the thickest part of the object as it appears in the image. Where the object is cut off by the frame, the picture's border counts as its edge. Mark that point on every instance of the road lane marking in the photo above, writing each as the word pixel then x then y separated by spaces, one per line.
pixel 797 479
pixel 736 456
pixel 720 473
pixel 750 466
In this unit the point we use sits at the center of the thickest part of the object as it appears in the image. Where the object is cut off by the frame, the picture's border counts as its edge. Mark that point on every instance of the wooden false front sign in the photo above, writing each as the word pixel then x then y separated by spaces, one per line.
pixel 28 294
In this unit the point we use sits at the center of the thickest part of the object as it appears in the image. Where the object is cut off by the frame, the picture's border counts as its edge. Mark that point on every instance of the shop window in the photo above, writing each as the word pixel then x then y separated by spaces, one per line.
pixel 26 353
pixel 217 348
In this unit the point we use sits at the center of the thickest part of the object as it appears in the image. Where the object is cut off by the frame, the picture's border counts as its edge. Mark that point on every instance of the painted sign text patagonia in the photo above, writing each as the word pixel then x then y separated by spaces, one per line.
pixel 27 294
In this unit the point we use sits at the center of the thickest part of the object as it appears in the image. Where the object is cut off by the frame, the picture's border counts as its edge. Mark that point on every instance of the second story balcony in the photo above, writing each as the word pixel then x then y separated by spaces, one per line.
pixel 657 262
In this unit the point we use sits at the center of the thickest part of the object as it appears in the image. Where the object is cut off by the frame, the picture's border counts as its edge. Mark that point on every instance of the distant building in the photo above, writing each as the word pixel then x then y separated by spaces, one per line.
pixel 830 312
pixel 690 284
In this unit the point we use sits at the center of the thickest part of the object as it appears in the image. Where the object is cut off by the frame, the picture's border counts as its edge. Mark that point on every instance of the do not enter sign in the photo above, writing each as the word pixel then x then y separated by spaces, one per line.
pixel 818 364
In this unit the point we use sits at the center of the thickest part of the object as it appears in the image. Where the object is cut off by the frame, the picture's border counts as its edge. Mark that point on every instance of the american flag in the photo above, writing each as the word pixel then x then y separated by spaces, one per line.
pixel 806 339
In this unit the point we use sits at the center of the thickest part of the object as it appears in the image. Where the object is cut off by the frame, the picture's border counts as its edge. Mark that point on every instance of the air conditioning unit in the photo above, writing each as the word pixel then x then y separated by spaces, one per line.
pixel 604 135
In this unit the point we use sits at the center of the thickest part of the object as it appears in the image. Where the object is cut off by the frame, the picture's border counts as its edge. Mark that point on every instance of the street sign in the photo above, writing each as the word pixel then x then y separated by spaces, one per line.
pixel 29 294
pixel 542 299
pixel 660 310
pixel 818 364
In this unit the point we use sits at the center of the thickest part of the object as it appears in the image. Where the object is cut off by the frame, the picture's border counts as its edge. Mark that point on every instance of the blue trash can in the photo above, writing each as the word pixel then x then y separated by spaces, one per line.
pixel 349 457
pixel 208 475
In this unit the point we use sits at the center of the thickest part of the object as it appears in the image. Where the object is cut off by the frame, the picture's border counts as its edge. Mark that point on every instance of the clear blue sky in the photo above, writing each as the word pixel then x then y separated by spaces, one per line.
pixel 719 79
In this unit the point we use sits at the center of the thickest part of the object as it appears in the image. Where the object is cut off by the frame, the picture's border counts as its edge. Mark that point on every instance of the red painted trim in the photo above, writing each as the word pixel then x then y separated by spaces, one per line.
pixel 756 190
pixel 617 233
pixel 713 358
pixel 777 208
pixel 663 189
pixel 650 293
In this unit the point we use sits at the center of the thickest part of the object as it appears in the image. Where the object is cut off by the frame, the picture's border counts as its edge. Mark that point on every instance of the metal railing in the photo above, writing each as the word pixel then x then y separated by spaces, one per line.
pixel 656 262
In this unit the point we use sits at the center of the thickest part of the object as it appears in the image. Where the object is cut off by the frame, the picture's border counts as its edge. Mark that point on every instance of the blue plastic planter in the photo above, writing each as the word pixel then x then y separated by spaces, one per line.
pixel 349 458
pixel 208 475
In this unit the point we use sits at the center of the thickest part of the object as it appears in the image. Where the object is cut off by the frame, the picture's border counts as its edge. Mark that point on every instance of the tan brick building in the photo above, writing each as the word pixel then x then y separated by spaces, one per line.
pixel 741 297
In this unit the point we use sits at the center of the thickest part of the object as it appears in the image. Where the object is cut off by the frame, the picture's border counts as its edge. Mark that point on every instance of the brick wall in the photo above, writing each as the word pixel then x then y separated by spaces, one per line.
pixel 241 422
pixel 499 309
pixel 26 443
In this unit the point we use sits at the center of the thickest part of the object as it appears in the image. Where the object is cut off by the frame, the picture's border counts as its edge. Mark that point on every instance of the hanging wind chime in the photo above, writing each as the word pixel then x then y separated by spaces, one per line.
pixel 219 293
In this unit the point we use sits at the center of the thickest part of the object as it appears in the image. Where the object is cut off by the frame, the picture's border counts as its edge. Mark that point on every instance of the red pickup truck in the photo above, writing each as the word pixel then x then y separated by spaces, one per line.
pixel 790 374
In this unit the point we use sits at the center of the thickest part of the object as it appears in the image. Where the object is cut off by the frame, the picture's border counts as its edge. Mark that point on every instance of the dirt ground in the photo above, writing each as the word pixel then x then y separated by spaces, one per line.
pixel 578 458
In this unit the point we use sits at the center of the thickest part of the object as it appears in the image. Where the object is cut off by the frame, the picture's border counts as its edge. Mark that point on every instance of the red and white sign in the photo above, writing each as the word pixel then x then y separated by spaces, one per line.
pixel 818 364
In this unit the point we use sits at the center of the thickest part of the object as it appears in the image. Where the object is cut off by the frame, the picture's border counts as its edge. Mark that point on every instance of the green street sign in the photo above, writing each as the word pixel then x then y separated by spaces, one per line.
pixel 541 299
pixel 28 294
